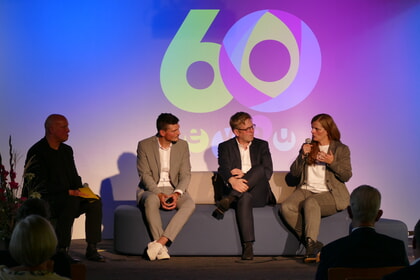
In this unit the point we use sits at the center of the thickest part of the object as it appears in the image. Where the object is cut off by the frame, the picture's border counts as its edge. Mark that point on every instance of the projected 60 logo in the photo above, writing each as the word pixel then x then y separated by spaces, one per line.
pixel 239 66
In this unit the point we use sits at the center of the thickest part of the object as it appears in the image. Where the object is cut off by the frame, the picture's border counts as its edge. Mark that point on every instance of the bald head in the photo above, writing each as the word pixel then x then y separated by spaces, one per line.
pixel 52 120
pixel 56 130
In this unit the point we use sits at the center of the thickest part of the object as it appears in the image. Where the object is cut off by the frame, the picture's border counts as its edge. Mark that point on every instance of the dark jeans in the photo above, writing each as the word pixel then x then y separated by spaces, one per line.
pixel 259 194
pixel 65 208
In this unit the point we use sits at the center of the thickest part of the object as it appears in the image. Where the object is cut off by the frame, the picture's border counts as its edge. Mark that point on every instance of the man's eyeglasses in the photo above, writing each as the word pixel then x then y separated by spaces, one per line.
pixel 252 127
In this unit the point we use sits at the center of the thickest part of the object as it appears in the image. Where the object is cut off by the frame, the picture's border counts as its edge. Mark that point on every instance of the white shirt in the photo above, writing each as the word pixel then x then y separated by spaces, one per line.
pixel 165 157
pixel 315 181
pixel 245 157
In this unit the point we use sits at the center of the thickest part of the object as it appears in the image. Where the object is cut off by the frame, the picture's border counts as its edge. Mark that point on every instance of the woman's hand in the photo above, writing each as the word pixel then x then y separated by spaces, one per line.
pixel 324 157
pixel 306 149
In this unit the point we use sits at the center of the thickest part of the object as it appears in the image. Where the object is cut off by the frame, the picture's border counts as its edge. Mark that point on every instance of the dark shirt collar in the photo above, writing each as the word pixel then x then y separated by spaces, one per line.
pixel 356 228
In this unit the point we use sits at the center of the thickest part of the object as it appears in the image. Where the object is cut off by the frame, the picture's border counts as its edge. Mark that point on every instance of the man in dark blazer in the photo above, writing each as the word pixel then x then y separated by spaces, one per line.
pixel 411 272
pixel 364 247
pixel 163 164
pixel 246 167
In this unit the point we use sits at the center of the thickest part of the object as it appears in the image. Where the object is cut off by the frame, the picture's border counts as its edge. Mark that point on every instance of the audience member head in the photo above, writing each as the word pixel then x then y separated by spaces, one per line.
pixel 163 121
pixel 416 240
pixel 33 206
pixel 365 202
pixel 33 241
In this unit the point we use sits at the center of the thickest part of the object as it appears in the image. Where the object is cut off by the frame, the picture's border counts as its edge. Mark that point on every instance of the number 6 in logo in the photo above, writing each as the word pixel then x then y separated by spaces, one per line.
pixel 185 49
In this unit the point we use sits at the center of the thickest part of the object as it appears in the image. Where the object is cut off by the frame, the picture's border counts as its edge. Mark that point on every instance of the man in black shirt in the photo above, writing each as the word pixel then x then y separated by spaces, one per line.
pixel 56 179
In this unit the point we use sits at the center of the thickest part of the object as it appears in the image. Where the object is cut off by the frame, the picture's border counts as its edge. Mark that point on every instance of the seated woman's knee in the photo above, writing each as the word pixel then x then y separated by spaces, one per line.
pixel 310 202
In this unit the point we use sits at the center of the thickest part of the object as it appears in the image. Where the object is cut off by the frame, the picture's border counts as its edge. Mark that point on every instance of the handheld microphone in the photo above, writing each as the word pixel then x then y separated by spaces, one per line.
pixel 307 141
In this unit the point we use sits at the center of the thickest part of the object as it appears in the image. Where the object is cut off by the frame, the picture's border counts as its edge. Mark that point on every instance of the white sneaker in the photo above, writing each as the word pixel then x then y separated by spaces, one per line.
pixel 153 249
pixel 163 254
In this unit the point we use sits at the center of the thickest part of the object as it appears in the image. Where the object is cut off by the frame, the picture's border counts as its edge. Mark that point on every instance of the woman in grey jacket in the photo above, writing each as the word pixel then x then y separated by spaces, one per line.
pixel 322 166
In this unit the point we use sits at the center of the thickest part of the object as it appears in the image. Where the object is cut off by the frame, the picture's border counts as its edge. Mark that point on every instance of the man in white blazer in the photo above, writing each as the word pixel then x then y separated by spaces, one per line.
pixel 163 164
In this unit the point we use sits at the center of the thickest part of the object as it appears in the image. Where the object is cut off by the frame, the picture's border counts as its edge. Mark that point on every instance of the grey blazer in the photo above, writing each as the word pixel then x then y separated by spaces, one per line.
pixel 148 165
pixel 336 173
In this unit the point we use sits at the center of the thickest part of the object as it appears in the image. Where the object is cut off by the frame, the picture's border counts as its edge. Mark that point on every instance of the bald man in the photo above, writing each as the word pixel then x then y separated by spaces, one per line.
pixel 57 180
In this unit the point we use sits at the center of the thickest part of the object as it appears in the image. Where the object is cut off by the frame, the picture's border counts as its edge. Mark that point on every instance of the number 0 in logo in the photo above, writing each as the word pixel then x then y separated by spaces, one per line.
pixel 276 29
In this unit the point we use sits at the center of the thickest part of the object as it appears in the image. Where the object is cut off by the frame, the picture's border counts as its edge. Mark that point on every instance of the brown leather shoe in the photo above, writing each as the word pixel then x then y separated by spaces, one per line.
pixel 313 249
pixel 247 251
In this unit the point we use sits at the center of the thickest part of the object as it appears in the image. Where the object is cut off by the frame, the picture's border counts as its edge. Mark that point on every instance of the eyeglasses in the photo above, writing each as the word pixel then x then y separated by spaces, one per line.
pixel 252 127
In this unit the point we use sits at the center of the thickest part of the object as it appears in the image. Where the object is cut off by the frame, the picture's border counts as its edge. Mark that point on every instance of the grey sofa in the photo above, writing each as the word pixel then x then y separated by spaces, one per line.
pixel 204 235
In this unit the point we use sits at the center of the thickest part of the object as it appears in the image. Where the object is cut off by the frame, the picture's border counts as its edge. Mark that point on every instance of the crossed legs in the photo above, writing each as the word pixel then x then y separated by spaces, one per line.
pixel 151 204
pixel 258 195
pixel 302 211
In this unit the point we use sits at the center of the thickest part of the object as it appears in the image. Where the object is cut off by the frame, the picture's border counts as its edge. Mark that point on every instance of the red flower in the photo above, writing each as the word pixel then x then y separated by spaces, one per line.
pixel 14 185
pixel 9 195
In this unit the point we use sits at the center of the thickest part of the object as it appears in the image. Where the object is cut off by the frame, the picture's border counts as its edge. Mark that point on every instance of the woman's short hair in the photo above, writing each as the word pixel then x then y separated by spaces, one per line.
pixel 33 241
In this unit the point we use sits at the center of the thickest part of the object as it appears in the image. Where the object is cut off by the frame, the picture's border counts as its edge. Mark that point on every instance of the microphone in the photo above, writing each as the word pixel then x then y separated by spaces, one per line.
pixel 307 141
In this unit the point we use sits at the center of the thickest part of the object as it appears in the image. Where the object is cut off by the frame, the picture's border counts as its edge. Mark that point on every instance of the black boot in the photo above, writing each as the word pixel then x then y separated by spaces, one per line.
pixel 64 253
pixel 92 253
pixel 222 206
pixel 313 248
pixel 247 251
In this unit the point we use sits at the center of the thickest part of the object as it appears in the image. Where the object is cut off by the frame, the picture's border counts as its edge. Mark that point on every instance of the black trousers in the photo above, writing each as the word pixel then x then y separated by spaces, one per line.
pixel 65 208
pixel 259 194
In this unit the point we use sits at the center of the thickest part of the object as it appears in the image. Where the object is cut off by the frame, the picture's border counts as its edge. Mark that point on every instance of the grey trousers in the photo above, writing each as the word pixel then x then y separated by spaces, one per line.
pixel 151 204
pixel 303 210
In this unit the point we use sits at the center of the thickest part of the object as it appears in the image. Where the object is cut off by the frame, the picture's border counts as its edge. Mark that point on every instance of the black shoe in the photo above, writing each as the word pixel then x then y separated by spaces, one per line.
pixel 73 260
pixel 64 252
pixel 247 251
pixel 222 206
pixel 93 255
pixel 313 248
pixel 218 214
